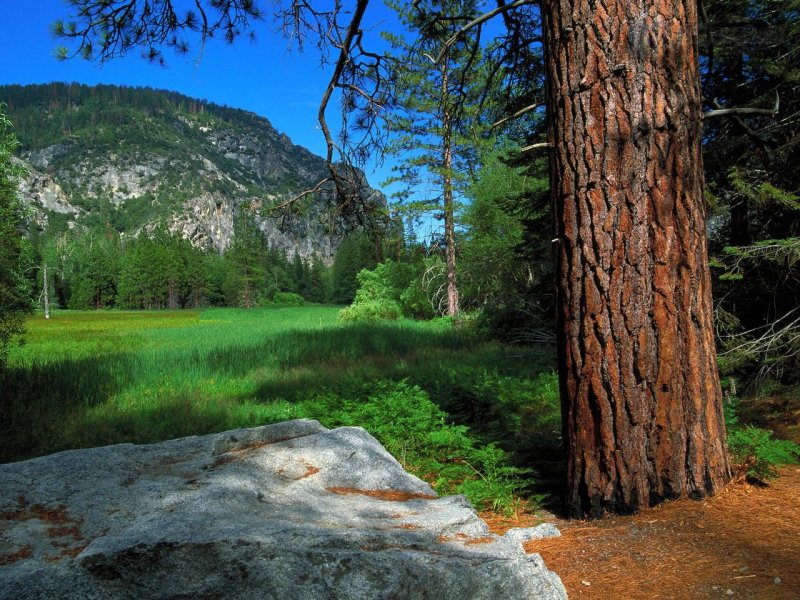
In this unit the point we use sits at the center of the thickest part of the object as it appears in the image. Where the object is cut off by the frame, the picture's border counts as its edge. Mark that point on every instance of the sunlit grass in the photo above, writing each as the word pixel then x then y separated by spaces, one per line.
pixel 78 334
pixel 93 378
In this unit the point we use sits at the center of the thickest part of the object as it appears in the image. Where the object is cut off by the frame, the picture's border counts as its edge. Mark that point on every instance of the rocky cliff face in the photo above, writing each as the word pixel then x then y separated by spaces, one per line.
pixel 44 195
pixel 141 157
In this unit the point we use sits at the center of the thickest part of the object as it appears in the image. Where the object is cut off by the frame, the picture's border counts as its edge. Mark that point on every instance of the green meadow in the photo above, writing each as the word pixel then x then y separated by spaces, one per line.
pixel 468 415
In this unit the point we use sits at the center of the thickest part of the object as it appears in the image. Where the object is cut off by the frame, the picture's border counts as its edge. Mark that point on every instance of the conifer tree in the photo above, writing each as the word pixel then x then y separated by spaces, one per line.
pixel 300 275
pixel 317 289
pixel 279 277
pixel 356 252
pixel 248 255
pixel 95 265
pixel 14 290
pixel 432 99
pixel 641 399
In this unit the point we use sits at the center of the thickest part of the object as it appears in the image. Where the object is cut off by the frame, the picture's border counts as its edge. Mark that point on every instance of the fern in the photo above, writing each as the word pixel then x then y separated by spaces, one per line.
pixel 754 450
pixel 757 452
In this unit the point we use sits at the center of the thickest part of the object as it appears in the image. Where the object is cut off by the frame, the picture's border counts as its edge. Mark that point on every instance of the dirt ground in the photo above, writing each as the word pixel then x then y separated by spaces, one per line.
pixel 743 543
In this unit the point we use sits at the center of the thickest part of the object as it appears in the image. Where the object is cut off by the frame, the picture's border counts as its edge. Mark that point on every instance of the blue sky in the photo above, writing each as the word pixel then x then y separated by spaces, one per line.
pixel 263 77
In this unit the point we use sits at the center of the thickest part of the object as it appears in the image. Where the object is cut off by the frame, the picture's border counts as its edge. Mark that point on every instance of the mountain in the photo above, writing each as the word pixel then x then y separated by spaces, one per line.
pixel 131 158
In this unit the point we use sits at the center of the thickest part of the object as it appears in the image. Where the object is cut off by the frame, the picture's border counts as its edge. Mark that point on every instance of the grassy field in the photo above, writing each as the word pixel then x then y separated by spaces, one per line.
pixel 466 414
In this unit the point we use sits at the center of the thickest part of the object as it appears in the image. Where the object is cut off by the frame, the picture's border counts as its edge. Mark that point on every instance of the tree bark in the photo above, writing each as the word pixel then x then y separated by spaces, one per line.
pixel 641 401
pixel 46 293
pixel 447 193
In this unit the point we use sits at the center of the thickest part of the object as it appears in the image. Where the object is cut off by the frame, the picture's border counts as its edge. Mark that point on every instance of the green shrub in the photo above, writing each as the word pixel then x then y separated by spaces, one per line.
pixel 414 295
pixel 287 299
pixel 416 432
pixel 754 451
pixel 371 310
pixel 376 297
pixel 390 291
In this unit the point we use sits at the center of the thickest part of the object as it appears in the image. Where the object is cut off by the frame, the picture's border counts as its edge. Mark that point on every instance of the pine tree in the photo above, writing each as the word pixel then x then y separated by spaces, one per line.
pixel 94 271
pixel 641 399
pixel 432 98
pixel 248 256
pixel 356 252
pixel 317 287
pixel 14 290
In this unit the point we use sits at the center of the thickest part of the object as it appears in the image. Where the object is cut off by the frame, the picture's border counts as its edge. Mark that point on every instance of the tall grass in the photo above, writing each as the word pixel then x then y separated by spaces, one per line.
pixel 86 379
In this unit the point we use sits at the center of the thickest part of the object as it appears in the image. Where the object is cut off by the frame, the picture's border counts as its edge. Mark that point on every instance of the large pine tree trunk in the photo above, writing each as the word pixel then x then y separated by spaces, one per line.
pixel 641 400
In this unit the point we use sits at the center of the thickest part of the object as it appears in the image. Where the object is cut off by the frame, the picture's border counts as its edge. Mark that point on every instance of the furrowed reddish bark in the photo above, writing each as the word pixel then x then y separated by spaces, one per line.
pixel 641 400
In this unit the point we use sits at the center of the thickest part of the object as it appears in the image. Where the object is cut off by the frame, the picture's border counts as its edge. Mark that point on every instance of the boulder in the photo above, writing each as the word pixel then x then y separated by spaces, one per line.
pixel 523 535
pixel 285 511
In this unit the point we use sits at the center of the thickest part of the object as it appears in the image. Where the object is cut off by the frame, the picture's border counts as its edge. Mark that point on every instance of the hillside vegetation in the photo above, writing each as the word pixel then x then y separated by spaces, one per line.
pixel 121 159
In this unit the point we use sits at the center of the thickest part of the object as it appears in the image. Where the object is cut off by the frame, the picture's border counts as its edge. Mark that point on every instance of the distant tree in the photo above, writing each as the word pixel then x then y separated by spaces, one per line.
pixel 15 302
pixel 161 269
pixel 49 266
pixel 195 278
pixel 317 288
pixel 248 256
pixel 133 285
pixel 95 270
pixel 355 253
pixel 219 271
pixel 432 100
pixel 299 275
pixel 57 254
pixel 505 266
pixel 279 277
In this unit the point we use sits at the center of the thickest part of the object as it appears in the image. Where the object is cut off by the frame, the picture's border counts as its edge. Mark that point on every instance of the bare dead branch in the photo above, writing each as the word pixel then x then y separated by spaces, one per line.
pixel 535 147
pixel 741 111
pixel 477 21
pixel 517 114
pixel 754 135
pixel 297 197
pixel 782 333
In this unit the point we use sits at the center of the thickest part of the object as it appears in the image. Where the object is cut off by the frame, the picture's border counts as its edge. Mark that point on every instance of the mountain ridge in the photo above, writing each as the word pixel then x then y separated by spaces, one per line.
pixel 131 158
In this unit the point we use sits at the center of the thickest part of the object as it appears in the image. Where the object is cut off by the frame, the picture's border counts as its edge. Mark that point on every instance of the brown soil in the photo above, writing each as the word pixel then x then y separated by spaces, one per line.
pixel 743 543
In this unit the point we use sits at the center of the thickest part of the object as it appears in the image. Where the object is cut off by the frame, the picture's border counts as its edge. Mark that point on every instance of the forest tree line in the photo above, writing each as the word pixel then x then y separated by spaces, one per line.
pixel 159 269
